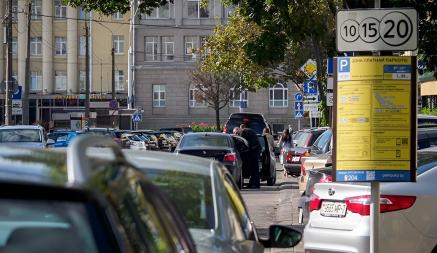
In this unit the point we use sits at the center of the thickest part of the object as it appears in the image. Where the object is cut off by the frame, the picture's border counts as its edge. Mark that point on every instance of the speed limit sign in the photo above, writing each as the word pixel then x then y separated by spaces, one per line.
pixel 377 30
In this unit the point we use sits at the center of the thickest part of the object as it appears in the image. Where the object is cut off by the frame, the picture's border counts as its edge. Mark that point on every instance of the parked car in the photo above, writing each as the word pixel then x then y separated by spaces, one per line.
pixel 63 141
pixel 163 142
pixel 152 140
pixel 224 148
pixel 183 130
pixel 310 163
pixel 206 195
pixel 267 163
pixel 132 141
pixel 408 214
pixel 59 201
pixel 254 121
pixel 303 142
pixel 427 137
pixel 31 136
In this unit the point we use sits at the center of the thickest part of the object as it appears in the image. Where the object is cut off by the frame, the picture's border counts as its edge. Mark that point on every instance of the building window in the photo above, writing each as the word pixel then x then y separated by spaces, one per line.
pixel 36 9
pixel 278 95
pixel 118 43
pixel 14 10
pixel 84 15
pixel 61 46
pixel 60 81
pixel 195 10
pixel 167 48
pixel 82 45
pixel 82 80
pixel 191 45
pixel 161 12
pixel 158 95
pixel 14 45
pixel 151 48
pixel 234 98
pixel 119 80
pixel 36 46
pixel 35 81
pixel 195 98
pixel 117 16
pixel 60 9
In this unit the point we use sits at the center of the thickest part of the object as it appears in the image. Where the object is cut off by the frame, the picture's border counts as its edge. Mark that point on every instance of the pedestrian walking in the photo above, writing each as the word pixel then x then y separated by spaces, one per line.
pixel 285 143
pixel 253 155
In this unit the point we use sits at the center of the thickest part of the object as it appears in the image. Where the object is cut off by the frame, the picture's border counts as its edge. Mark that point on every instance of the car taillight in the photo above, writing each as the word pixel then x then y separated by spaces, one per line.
pixel 325 179
pixel 289 156
pixel 231 157
pixel 302 170
pixel 314 203
pixel 388 203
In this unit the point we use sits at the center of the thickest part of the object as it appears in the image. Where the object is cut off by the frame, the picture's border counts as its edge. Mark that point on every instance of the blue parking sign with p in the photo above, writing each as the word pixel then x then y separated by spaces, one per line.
pixel 344 64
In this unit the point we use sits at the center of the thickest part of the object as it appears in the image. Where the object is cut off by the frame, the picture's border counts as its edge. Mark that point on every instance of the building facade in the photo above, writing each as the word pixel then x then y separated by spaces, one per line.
pixel 57 60
pixel 164 56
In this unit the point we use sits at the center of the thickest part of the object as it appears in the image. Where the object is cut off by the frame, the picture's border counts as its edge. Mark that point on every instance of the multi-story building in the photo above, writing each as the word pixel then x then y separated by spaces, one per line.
pixel 164 55
pixel 57 60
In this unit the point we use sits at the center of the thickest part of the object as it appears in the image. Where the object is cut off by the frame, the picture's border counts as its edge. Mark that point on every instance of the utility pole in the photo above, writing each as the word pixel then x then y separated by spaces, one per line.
pixel 9 73
pixel 113 72
pixel 87 74
pixel 25 98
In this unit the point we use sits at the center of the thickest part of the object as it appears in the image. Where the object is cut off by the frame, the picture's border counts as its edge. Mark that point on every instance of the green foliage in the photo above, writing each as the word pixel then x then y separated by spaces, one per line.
pixel 204 127
pixel 428 111
pixel 108 7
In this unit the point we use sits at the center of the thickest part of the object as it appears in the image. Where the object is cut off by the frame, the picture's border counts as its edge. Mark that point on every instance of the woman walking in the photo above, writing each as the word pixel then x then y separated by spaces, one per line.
pixel 285 143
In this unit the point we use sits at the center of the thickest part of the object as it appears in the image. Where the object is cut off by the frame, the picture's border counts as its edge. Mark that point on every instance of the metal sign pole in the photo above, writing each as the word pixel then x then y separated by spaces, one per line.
pixel 298 124
pixel 375 199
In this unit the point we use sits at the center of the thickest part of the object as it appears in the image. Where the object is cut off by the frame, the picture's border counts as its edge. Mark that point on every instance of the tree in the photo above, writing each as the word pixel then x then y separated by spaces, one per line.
pixel 225 52
pixel 108 7
pixel 213 88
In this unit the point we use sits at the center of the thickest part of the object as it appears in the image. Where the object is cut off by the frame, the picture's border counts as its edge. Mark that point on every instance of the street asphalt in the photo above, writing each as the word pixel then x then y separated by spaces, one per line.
pixel 275 205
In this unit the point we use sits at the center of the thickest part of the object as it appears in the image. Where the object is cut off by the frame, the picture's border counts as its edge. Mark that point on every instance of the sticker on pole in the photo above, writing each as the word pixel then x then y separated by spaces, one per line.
pixel 377 30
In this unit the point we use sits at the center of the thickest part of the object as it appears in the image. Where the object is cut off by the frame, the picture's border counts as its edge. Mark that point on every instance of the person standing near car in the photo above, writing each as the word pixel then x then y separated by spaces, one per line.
pixel 285 143
pixel 254 151
pixel 269 137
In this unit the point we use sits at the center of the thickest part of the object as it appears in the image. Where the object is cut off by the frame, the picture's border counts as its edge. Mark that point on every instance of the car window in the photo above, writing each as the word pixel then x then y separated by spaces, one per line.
pixel 62 138
pixel 192 194
pixel 20 135
pixel 262 142
pixel 239 209
pixel 204 141
pixel 48 226
pixel 426 161
pixel 301 139
pixel 323 140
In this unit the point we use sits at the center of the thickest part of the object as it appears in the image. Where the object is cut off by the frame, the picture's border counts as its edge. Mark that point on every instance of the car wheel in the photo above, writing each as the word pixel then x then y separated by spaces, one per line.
pixel 300 218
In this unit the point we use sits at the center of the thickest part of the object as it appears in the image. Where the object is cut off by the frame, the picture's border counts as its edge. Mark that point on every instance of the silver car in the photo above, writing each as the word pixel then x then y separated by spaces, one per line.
pixel 210 202
pixel 29 136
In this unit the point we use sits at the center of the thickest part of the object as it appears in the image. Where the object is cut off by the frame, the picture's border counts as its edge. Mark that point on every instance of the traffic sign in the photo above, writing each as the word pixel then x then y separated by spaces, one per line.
pixel 298 106
pixel 298 97
pixel 311 107
pixel 17 92
pixel 377 30
pixel 330 66
pixel 329 99
pixel 113 104
pixel 298 114
pixel 309 68
pixel 137 117
pixel 310 88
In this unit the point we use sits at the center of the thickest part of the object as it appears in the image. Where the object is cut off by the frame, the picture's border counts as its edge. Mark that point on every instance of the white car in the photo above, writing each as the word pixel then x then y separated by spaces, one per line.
pixel 340 214
pixel 28 136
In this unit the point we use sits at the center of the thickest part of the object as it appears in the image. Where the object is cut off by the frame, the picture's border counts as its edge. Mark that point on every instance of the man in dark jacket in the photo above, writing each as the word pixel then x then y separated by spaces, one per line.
pixel 253 155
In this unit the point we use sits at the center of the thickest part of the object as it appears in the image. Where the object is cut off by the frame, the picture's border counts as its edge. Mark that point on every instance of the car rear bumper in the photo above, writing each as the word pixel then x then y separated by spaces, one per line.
pixel 319 240
pixel 292 168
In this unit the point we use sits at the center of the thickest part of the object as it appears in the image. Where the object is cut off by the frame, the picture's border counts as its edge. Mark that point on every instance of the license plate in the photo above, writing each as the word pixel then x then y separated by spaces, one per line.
pixel 295 159
pixel 333 209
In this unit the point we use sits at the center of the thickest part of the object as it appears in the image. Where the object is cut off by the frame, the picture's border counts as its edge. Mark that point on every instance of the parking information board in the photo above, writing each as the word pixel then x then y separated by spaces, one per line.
pixel 375 119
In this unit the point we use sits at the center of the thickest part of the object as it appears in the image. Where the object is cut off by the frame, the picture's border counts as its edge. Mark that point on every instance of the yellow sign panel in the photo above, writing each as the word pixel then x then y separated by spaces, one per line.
pixel 373 119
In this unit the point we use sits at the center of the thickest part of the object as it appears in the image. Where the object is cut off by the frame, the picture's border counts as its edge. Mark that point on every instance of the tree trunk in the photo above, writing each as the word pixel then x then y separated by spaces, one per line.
pixel 320 78
pixel 217 119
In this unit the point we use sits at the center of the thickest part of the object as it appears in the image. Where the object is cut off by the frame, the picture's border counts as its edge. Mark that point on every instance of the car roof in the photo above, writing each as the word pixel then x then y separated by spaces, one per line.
pixel 22 127
pixel 173 162
pixel 207 133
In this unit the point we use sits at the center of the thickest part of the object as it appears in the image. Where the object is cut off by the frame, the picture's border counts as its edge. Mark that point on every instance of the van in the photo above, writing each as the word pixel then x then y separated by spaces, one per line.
pixel 254 121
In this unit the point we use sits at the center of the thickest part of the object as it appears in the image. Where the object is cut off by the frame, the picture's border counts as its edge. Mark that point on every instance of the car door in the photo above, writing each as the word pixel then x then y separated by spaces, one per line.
pixel 243 148
pixel 241 219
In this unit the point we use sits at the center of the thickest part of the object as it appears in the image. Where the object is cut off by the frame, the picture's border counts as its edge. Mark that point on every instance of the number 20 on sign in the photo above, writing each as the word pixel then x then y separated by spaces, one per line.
pixel 377 29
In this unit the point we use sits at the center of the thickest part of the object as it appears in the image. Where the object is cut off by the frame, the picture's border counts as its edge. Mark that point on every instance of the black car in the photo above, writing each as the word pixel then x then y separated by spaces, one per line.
pixel 217 146
pixel 83 204
pixel 254 121
pixel 267 161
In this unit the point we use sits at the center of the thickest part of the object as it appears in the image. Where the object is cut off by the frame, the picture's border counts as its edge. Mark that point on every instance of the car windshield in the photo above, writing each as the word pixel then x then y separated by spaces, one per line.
pixel 323 140
pixel 46 226
pixel 190 141
pixel 257 126
pixel 302 139
pixel 20 135
pixel 192 194
pixel 134 138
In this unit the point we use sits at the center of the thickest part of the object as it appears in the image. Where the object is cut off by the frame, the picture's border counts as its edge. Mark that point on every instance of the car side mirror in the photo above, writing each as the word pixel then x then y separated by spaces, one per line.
pixel 283 237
